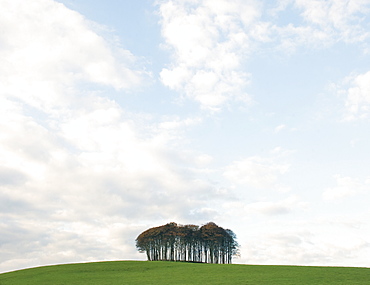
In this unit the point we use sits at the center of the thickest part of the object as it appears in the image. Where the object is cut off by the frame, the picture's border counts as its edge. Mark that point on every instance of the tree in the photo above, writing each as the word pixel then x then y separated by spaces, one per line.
pixel 209 243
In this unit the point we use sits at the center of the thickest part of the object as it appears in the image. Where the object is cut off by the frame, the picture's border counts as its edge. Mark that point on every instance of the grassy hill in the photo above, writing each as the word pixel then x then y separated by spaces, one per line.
pixel 144 272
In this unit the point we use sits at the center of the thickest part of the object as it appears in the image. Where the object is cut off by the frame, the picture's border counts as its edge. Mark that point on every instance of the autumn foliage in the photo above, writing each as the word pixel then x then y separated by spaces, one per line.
pixel 208 243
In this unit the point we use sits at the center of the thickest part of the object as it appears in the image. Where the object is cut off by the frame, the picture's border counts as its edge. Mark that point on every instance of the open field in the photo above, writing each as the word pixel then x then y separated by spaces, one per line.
pixel 160 272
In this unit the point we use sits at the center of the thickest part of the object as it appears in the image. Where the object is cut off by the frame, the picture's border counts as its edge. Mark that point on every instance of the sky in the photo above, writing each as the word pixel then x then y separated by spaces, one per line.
pixel 117 116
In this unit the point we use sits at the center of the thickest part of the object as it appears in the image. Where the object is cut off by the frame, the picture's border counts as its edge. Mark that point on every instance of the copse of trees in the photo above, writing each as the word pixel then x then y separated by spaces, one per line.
pixel 172 242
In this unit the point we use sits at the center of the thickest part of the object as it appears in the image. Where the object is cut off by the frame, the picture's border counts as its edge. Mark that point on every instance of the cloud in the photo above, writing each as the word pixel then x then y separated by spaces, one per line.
pixel 208 41
pixel 274 208
pixel 65 186
pixel 337 19
pixel 346 187
pixel 54 51
pixel 307 247
pixel 357 91
pixel 10 176
pixel 325 241
pixel 265 207
pixel 256 171
pixel 353 92
pixel 320 24
pixel 279 128
pixel 78 172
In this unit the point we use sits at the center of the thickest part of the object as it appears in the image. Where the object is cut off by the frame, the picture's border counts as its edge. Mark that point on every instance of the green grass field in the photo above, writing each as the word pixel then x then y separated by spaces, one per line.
pixel 144 272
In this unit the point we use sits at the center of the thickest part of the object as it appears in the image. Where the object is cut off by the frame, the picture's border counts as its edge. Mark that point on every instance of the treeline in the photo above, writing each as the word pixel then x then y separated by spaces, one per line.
pixel 172 242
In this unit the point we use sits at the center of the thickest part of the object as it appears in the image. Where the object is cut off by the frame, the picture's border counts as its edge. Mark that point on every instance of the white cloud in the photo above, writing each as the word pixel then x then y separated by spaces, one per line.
pixel 346 187
pixel 339 19
pixel 64 187
pixel 209 44
pixel 208 41
pixel 257 171
pixel 307 247
pixel 357 92
pixel 51 52
pixel 265 207
pixel 279 128
pixel 275 208
pixel 354 94
pixel 77 172
pixel 321 24
pixel 326 241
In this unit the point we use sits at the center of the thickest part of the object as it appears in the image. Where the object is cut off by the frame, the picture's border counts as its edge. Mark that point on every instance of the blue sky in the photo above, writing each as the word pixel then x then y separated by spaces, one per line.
pixel 117 116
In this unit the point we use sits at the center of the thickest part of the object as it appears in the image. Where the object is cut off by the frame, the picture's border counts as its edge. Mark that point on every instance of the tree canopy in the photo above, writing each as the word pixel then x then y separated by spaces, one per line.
pixel 208 243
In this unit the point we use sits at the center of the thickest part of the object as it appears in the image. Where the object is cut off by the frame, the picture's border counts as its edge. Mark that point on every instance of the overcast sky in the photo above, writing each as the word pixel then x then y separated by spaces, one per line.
pixel 120 115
